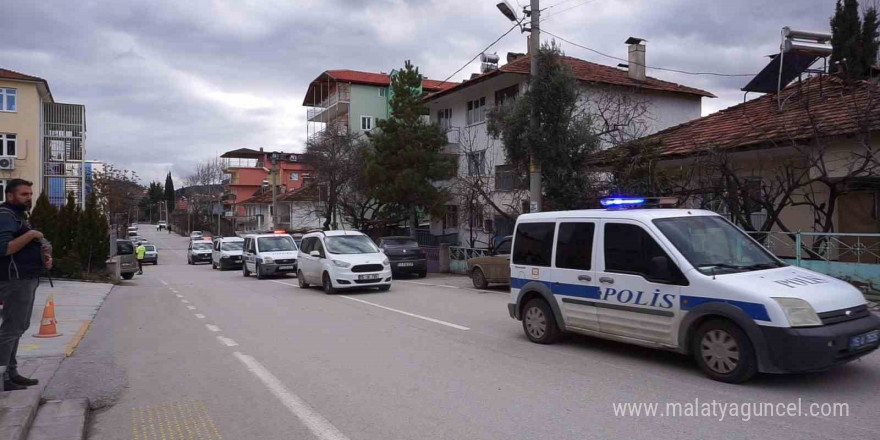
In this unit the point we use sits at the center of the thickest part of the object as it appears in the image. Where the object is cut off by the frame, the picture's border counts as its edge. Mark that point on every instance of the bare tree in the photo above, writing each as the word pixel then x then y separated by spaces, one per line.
pixel 337 159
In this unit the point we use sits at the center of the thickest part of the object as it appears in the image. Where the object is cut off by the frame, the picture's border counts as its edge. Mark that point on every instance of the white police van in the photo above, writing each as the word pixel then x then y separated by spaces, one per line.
pixel 685 280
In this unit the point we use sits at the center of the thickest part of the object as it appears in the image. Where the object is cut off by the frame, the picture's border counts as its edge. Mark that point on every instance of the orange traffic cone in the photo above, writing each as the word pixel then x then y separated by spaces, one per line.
pixel 48 324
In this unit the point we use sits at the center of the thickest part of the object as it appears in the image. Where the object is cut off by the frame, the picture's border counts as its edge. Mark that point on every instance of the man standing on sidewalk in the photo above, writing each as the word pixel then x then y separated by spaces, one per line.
pixel 141 251
pixel 21 264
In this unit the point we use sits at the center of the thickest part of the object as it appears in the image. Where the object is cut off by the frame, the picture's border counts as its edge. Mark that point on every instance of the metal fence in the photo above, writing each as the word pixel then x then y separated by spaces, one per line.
pixel 458 257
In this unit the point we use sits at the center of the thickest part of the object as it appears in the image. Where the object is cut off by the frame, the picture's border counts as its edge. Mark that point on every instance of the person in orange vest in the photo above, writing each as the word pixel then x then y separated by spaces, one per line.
pixel 22 261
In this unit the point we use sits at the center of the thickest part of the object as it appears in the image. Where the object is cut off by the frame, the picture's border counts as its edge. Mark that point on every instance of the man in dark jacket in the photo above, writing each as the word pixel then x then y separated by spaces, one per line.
pixel 21 264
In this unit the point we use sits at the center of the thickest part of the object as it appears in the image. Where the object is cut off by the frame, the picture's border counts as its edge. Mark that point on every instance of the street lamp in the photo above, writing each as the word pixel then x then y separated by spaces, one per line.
pixel 507 10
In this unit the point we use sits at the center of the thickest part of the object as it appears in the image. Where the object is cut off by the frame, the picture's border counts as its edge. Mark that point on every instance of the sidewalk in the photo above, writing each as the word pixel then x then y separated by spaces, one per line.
pixel 76 303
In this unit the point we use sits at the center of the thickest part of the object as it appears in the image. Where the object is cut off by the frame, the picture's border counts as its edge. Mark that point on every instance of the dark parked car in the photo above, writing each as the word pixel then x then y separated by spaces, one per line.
pixel 404 255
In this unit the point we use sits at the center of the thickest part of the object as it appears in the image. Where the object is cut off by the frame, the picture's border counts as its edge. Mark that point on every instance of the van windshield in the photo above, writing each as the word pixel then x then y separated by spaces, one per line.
pixel 232 246
pixel 350 244
pixel 276 244
pixel 715 246
pixel 202 246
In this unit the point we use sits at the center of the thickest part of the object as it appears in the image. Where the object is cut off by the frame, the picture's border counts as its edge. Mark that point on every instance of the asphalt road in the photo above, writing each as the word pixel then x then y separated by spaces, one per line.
pixel 190 352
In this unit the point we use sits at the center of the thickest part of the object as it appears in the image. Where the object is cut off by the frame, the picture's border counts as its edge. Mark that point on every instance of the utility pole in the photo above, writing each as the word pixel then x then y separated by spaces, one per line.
pixel 274 158
pixel 534 167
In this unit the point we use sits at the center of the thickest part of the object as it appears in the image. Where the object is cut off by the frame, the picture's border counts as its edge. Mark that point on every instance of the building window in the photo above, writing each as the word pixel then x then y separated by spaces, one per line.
pixel 366 123
pixel 476 219
pixel 383 91
pixel 444 118
pixel 451 219
pixel 505 95
pixel 475 111
pixel 7 144
pixel 7 100
pixel 294 177
pixel 476 163
pixel 508 179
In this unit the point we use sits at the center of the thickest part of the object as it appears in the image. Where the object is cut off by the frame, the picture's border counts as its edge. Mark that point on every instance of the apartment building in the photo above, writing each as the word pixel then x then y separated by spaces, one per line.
pixel 343 101
pixel 462 111
pixel 41 140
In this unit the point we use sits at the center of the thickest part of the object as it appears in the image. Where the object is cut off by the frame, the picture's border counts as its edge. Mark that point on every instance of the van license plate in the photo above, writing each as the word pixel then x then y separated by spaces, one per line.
pixel 374 276
pixel 859 341
pixel 285 267
pixel 404 264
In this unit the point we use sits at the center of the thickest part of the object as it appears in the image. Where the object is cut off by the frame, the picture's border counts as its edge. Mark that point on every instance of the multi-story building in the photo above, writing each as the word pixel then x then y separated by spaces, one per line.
pixel 652 105
pixel 41 140
pixel 247 171
pixel 351 101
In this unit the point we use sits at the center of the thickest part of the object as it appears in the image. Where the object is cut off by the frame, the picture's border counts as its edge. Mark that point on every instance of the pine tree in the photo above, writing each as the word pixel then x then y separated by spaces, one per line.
pixel 64 249
pixel 853 40
pixel 169 192
pixel 404 160
pixel 93 236
pixel 44 218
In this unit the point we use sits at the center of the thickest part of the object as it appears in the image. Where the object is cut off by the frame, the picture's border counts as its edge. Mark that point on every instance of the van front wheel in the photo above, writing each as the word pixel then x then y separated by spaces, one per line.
pixel 539 323
pixel 724 352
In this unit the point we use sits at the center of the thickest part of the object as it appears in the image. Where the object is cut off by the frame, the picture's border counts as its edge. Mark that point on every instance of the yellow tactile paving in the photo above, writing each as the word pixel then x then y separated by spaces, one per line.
pixel 173 421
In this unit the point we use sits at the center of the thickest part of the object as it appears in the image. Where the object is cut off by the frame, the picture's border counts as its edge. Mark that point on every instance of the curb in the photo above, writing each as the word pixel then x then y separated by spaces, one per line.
pixel 71 346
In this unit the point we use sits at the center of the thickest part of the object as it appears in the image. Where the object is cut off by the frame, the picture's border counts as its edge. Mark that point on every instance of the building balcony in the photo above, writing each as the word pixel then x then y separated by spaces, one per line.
pixel 236 162
pixel 331 129
pixel 332 107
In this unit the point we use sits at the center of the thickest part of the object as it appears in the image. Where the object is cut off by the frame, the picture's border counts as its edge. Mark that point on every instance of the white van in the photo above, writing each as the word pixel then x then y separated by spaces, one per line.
pixel 227 252
pixel 342 260
pixel 685 280
pixel 269 254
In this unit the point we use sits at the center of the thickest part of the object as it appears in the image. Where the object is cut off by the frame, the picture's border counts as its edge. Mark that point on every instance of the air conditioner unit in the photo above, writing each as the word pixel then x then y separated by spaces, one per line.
pixel 7 163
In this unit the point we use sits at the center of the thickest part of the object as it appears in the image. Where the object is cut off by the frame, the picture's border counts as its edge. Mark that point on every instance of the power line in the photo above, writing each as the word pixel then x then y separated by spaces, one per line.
pixel 484 50
pixel 555 4
pixel 564 10
pixel 685 72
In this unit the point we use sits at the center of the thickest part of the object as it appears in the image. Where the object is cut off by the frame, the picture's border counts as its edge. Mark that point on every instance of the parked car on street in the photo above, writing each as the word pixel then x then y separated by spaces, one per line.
pixel 132 232
pixel 198 251
pixel 162 225
pixel 493 268
pixel 227 252
pixel 342 260
pixel 152 254
pixel 269 254
pixel 195 235
pixel 128 265
pixel 404 255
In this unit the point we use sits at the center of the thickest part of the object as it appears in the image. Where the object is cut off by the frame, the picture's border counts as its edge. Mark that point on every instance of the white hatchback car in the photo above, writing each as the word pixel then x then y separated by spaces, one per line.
pixel 342 260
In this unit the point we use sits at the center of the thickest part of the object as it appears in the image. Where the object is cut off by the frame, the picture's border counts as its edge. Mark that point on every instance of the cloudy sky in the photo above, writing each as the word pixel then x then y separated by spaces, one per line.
pixel 167 83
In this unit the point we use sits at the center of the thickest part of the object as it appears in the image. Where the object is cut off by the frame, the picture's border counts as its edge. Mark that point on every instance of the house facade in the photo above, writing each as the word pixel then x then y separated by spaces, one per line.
pixel 462 111
pixel 299 210
pixel 247 171
pixel 341 101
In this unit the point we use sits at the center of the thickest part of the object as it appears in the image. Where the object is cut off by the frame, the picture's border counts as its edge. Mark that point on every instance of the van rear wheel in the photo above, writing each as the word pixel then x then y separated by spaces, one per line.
pixel 539 323
pixel 724 352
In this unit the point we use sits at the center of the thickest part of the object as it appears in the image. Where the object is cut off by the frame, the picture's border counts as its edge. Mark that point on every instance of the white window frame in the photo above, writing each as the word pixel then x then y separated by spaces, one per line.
pixel 4 92
pixel 476 111
pixel 294 177
pixel 383 92
pixel 476 163
pixel 444 118
pixel 369 125
pixel 4 137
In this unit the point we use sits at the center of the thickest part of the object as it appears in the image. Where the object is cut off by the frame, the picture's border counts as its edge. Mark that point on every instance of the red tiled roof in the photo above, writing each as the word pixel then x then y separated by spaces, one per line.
pixel 819 105
pixel 307 193
pixel 586 72
pixel 13 75
pixel 382 79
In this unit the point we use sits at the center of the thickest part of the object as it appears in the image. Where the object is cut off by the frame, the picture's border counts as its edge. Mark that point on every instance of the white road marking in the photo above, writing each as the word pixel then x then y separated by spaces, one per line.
pixel 179 295
pixel 286 284
pixel 228 342
pixel 212 327
pixel 435 321
pixel 191 307
pixel 174 291
pixel 184 301
pixel 163 282
pixel 200 316
pixel 320 427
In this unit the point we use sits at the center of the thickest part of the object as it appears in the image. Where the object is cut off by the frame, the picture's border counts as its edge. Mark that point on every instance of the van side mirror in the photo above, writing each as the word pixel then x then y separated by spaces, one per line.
pixel 315 254
pixel 660 269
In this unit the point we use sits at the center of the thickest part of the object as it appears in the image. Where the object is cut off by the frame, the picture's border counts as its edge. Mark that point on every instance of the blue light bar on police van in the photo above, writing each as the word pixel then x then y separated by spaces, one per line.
pixel 622 201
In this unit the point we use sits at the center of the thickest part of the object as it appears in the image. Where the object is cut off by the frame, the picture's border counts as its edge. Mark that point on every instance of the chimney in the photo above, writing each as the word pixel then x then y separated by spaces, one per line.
pixel 636 63
pixel 513 56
